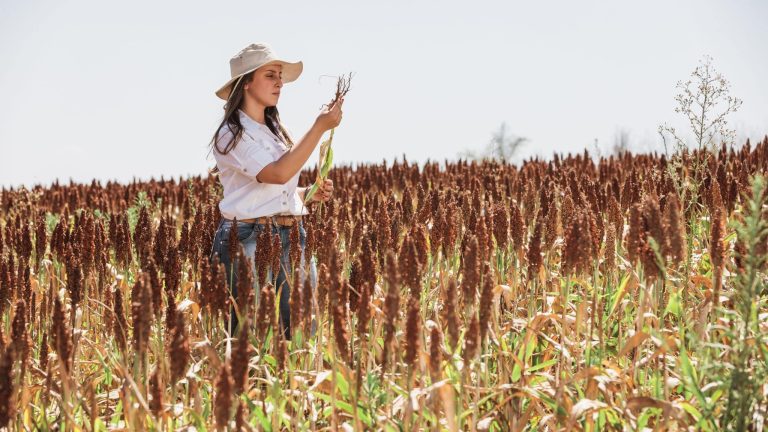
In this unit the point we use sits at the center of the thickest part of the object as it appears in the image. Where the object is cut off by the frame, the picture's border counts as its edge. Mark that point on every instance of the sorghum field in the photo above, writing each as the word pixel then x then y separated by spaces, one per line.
pixel 627 293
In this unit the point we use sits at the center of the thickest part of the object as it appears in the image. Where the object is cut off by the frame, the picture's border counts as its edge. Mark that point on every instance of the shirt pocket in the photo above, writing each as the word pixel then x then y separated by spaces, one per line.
pixel 254 156
pixel 277 148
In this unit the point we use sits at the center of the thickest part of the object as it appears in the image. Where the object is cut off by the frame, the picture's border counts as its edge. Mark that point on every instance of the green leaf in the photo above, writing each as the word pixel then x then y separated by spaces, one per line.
pixel 270 360
pixel 517 370
pixel 323 167
pixel 327 163
pixel 543 365
pixel 619 294
pixel 673 305
pixel 263 420
pixel 689 377
pixel 100 425
pixel 346 407
pixel 311 192
pixel 646 415
pixel 118 413
pixel 342 384
pixel 692 410
pixel 524 355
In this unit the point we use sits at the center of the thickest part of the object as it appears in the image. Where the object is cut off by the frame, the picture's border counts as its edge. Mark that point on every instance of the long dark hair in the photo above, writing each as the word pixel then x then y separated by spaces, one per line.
pixel 232 119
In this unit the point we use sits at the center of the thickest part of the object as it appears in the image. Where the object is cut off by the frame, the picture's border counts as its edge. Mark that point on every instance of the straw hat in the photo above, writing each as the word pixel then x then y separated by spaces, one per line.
pixel 253 57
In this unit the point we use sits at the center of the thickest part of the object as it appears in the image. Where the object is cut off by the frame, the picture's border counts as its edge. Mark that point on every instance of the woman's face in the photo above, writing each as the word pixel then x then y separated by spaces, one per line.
pixel 265 85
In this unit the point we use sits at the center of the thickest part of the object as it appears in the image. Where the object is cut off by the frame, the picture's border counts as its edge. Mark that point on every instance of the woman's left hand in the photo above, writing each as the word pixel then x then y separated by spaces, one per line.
pixel 324 192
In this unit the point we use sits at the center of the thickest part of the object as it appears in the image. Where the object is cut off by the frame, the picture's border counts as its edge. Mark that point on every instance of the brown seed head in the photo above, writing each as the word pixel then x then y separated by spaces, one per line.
pixel 715 197
pixel 610 248
pixel 412 333
pixel 245 290
pixel 263 254
pixel 552 226
pixel 435 353
pixel 19 337
pixel 41 239
pixel 179 348
pixel 295 245
pixel 62 336
pixel 240 420
pixel 636 241
pixel 277 255
pixel 472 340
pixel 486 300
pixel 172 271
pixel 364 310
pixel 234 243
pixel 409 267
pixel 240 360
pixel 43 357
pixel 222 406
pixel 470 270
pixel 535 260
pixel 296 302
pixel 75 283
pixel 577 252
pixel 156 393
pixel 7 405
pixel 120 325
pixel 501 226
pixel 340 329
pixel 717 234
pixel 266 312
pixel 391 307
pixel 141 313
pixel 675 245
pixel 616 217
pixel 652 215
pixel 218 286
pixel 450 315
pixel 517 226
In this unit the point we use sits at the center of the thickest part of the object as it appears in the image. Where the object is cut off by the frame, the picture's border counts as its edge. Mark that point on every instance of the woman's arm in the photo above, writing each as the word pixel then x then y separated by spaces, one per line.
pixel 283 169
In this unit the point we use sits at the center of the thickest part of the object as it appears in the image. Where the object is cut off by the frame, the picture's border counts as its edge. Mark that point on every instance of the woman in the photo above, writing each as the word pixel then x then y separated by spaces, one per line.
pixel 259 165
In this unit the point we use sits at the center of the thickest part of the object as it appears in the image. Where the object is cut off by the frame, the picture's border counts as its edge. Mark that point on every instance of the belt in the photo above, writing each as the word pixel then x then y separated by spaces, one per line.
pixel 282 220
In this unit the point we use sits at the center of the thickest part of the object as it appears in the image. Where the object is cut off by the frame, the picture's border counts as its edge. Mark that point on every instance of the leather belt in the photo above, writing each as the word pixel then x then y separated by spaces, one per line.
pixel 281 220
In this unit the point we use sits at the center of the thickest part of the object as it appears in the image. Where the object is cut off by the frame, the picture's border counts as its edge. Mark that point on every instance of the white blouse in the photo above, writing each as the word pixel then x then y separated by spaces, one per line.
pixel 244 196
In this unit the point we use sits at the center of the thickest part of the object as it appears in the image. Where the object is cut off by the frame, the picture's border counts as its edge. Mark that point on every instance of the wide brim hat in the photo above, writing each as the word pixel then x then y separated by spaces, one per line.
pixel 253 57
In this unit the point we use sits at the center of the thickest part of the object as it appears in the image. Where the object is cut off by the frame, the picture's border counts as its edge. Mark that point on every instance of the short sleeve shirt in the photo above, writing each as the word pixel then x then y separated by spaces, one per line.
pixel 244 196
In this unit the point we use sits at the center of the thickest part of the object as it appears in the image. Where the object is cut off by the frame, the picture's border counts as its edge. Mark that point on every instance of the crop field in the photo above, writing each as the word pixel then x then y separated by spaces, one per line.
pixel 625 293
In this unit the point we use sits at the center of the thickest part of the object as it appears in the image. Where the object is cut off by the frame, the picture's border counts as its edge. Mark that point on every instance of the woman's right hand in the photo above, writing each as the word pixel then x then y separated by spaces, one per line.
pixel 330 117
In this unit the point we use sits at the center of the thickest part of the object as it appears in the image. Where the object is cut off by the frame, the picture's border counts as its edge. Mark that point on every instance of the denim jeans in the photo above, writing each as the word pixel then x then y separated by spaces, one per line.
pixel 247 234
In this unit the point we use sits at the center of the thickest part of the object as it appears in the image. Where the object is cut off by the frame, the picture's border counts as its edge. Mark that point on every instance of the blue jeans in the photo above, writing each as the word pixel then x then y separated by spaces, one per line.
pixel 247 234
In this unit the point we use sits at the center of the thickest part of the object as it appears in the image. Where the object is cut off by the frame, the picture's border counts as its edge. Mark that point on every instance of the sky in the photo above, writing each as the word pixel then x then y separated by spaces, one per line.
pixel 125 90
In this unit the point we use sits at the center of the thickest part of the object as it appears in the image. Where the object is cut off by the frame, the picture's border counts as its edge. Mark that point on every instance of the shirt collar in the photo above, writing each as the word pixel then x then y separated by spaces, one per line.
pixel 248 122
pixel 253 126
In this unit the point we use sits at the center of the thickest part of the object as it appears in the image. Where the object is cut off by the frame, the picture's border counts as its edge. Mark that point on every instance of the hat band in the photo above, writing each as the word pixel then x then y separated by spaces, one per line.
pixel 232 90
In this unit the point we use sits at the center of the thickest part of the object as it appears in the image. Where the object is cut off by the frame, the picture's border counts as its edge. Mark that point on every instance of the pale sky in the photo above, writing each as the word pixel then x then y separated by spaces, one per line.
pixel 117 90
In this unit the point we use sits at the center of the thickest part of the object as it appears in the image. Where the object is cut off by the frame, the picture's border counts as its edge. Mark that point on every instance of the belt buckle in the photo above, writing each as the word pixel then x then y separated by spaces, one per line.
pixel 274 221
pixel 282 220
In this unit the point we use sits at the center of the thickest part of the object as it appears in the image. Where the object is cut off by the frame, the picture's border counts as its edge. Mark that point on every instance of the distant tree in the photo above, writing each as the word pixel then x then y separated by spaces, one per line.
pixel 620 142
pixel 502 147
